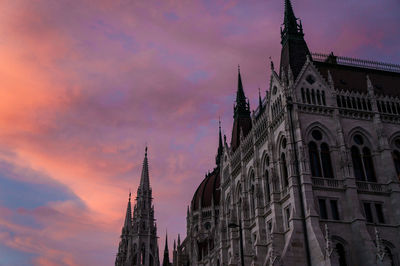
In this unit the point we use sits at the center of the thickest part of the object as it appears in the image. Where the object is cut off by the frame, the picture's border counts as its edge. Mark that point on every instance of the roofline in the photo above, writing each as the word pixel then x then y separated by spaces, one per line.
pixel 355 62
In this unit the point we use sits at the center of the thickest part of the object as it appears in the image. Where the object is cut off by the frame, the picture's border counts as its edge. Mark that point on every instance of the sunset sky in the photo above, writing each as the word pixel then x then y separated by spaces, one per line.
pixel 84 85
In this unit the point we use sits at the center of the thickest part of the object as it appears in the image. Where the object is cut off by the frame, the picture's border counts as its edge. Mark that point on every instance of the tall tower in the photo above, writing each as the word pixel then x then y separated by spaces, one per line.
pixel 138 245
pixel 294 48
pixel 241 117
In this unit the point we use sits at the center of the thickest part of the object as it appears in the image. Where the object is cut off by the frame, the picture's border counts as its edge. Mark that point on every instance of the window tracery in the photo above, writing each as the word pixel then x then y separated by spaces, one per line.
pixel 319 153
pixel 363 164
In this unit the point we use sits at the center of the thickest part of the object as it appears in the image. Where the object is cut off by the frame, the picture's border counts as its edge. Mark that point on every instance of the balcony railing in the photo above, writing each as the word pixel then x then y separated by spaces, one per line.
pixel 327 182
pixel 370 187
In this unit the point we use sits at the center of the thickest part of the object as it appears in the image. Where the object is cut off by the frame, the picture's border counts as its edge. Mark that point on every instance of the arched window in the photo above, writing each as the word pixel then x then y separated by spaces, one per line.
pixel 284 170
pixel 326 161
pixel 303 98
pixel 318 97
pixel 252 200
pixel 396 160
pixel 143 255
pixel 314 160
pixel 308 96
pixel 341 254
pixel 313 96
pixel 396 156
pixel 363 164
pixel 268 191
pixel 357 163
pixel 320 158
pixel 267 180
pixel 240 209
pixel 369 165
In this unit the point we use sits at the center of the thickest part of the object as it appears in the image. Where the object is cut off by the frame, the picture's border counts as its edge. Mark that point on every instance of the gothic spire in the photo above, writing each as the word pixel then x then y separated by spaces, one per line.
pixel 166 252
pixel 241 107
pixel 290 20
pixel 220 147
pixel 128 216
pixel 259 99
pixel 144 179
pixel 241 115
pixel 294 48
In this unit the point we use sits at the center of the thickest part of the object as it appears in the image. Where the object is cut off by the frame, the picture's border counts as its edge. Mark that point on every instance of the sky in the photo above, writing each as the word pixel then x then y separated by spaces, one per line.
pixel 85 85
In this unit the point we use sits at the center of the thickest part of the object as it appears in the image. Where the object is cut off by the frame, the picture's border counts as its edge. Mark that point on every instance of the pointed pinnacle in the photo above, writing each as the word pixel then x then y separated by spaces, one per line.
pixel 144 179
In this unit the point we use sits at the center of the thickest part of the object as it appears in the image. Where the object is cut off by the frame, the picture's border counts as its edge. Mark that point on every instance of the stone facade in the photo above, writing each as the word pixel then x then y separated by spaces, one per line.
pixel 138 245
pixel 314 179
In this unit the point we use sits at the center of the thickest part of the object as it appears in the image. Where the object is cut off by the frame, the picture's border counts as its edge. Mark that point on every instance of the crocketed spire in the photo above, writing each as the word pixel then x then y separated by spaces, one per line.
pixel 144 179
pixel 128 217
pixel 241 107
pixel 220 147
pixel 139 227
pixel 241 115
pixel 290 20
pixel 294 48
pixel 166 252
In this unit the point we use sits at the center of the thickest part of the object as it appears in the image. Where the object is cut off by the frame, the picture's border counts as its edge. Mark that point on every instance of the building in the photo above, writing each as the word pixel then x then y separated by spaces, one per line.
pixel 138 245
pixel 311 177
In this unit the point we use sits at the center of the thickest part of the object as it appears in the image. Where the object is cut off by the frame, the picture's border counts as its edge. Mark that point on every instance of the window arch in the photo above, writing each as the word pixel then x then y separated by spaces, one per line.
pixel 361 156
pixel 319 153
pixel 341 254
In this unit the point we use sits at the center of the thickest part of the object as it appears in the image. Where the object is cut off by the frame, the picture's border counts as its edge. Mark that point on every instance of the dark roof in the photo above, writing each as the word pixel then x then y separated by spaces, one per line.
pixel 207 191
pixel 240 124
pixel 294 48
pixel 353 78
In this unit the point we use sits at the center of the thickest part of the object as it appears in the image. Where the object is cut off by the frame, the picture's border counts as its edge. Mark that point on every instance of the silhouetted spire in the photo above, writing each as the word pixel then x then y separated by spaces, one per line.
pixel 290 20
pixel 294 48
pixel 166 252
pixel 144 179
pixel 241 115
pixel 220 146
pixel 241 107
pixel 128 217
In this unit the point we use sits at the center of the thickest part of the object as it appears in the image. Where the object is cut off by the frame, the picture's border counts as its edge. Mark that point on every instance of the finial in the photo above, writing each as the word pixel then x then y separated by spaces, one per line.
pixel 130 194
pixel 272 63
pixel 238 67
pixel 145 151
